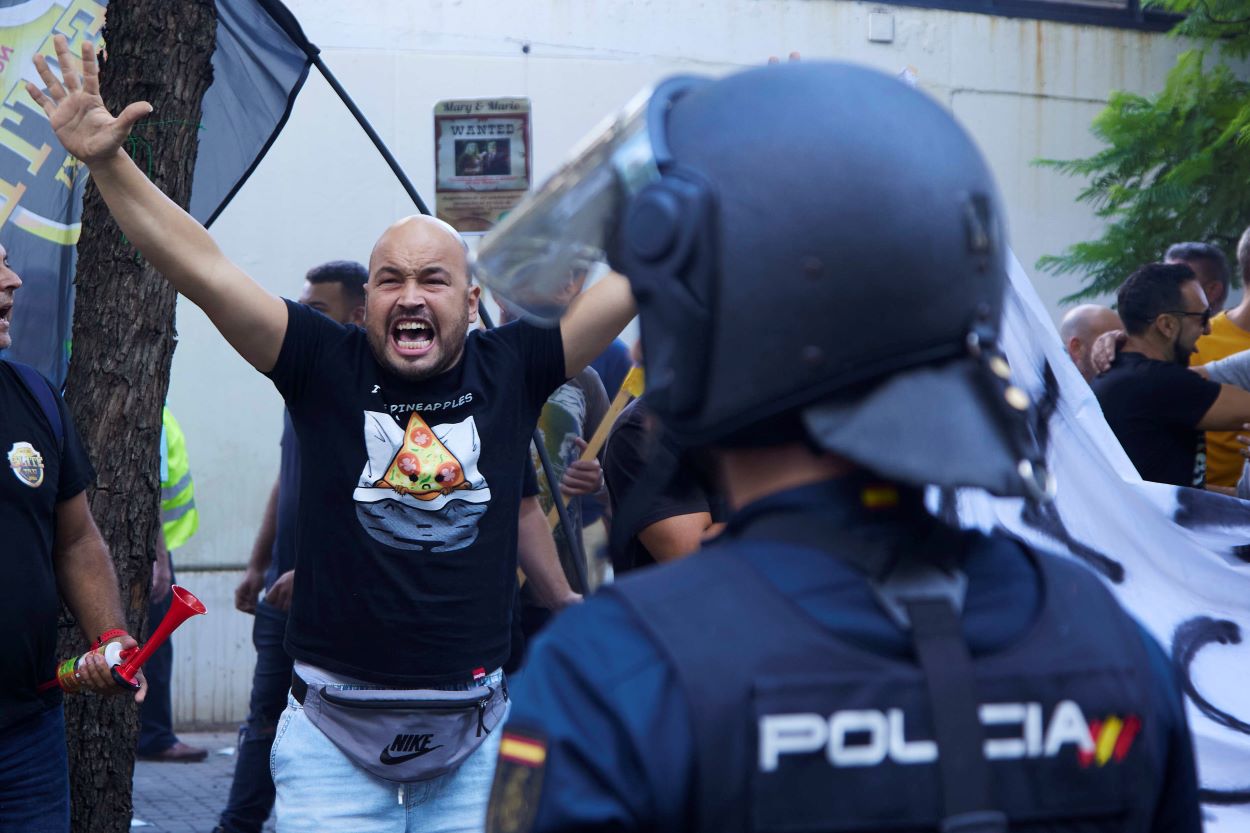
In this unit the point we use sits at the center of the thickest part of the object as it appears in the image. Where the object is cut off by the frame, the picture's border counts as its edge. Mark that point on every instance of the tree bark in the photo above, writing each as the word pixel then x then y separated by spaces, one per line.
pixel 159 51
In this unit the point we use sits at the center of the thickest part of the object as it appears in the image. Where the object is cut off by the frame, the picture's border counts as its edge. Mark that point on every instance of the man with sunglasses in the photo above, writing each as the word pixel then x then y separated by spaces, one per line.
pixel 1157 408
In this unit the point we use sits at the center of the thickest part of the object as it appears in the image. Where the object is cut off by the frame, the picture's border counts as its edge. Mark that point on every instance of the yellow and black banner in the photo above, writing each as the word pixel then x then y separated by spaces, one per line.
pixel 260 63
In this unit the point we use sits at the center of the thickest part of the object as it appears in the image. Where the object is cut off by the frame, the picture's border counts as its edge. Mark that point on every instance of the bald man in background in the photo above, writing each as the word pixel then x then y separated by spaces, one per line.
pixel 1080 328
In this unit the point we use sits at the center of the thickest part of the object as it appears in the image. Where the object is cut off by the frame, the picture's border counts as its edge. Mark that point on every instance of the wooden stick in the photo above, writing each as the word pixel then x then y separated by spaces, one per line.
pixel 631 389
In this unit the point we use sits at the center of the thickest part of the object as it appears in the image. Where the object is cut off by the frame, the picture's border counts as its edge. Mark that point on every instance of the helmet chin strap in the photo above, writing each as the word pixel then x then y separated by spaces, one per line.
pixel 1026 423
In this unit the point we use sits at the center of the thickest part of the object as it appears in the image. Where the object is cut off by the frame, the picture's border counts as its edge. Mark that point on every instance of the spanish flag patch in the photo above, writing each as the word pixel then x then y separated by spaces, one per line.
pixel 518 782
pixel 523 750
pixel 879 496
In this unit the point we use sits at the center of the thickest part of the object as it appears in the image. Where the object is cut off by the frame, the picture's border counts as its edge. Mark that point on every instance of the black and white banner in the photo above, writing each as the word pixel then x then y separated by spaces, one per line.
pixel 1178 559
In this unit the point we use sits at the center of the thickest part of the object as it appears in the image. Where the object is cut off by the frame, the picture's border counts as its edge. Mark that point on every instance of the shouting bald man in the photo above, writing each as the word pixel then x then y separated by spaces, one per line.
pixel 1080 328
pixel 413 437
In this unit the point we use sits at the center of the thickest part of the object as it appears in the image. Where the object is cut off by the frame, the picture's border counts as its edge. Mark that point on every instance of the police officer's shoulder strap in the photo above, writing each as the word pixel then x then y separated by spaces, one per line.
pixel 922 588
pixel 41 389
pixel 948 672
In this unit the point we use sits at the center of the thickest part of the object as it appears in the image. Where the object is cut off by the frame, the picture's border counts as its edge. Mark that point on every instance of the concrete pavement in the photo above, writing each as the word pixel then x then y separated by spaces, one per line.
pixel 186 798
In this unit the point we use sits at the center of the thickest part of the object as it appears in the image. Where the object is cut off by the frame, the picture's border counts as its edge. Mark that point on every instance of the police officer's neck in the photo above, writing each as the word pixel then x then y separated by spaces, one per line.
pixel 752 473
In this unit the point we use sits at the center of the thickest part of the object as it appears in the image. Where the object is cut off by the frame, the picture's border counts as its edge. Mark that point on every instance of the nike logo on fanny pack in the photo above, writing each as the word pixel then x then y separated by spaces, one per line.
pixel 387 758
pixel 413 746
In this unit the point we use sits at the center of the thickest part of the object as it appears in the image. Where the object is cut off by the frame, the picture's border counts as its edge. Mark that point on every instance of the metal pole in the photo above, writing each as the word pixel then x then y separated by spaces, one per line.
pixel 574 541
pixel 284 20
pixel 371 133
pixel 576 549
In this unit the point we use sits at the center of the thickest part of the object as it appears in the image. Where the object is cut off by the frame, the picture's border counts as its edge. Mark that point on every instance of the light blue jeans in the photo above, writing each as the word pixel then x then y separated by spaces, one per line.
pixel 320 789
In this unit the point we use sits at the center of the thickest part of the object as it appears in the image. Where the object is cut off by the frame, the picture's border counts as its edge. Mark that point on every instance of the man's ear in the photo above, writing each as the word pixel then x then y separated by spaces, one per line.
pixel 358 316
pixel 1074 348
pixel 1166 326
pixel 475 297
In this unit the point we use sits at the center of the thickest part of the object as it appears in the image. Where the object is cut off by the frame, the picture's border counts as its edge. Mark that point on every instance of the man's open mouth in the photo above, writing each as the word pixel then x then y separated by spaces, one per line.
pixel 412 337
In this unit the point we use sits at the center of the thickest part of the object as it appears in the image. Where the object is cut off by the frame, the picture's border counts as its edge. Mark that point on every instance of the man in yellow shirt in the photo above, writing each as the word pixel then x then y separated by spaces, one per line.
pixel 1230 333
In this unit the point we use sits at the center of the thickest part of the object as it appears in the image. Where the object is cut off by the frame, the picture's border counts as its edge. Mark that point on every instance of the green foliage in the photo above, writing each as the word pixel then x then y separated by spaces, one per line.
pixel 1222 22
pixel 1176 165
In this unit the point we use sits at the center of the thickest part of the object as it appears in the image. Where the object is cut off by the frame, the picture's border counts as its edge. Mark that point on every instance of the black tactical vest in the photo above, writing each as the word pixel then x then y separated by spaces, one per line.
pixel 798 731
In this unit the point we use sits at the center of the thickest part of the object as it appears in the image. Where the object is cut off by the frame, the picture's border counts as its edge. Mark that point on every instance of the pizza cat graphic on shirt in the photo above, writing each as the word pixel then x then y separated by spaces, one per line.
pixel 423 467
pixel 420 488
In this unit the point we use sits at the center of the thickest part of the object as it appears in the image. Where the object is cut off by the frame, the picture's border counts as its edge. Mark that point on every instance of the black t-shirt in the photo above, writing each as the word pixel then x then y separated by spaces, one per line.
pixel 282 556
pixel 36 476
pixel 408 499
pixel 529 483
pixel 1154 408
pixel 524 602
pixel 634 457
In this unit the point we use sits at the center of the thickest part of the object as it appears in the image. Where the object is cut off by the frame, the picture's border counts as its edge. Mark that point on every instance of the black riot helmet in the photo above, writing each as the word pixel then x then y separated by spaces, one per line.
pixel 813 244
pixel 827 240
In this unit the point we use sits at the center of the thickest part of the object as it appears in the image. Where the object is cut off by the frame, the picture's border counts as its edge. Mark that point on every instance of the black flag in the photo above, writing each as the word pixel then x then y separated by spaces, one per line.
pixel 260 63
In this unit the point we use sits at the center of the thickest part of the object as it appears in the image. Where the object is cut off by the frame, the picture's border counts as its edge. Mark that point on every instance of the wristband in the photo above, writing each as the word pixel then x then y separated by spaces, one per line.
pixel 111 633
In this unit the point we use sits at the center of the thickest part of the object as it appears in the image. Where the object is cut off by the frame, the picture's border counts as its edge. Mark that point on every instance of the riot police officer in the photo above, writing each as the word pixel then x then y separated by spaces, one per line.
pixel 818 256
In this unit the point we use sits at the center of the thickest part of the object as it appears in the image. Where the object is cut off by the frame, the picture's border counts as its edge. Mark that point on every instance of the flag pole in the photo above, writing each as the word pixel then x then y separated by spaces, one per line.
pixel 286 21
pixel 371 133
pixel 574 541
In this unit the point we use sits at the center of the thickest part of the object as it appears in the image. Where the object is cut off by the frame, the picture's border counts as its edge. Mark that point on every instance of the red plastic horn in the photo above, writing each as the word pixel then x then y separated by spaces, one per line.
pixel 183 606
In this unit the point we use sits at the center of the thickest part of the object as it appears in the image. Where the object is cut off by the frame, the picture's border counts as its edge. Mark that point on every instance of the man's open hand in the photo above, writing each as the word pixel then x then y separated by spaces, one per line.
pixel 81 121
pixel 1105 348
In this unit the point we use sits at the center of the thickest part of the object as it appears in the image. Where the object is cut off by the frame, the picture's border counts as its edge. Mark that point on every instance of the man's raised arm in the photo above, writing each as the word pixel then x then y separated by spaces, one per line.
pixel 593 319
pixel 251 319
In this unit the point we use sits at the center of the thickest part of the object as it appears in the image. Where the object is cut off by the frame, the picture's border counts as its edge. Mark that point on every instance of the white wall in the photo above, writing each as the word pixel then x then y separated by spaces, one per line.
pixel 1025 89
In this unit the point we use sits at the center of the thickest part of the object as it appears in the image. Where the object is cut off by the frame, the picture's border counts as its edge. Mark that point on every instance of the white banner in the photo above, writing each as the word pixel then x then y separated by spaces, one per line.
pixel 1178 559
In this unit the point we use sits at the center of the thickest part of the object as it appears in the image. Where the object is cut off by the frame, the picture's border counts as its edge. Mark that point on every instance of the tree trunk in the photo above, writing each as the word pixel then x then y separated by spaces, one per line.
pixel 159 51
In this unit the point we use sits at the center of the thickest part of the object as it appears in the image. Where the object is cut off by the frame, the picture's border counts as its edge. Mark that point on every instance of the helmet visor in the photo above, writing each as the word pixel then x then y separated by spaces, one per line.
pixel 539 257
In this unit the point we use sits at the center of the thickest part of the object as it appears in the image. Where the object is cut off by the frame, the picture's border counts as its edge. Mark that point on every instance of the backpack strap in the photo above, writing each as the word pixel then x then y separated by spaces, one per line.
pixel 41 389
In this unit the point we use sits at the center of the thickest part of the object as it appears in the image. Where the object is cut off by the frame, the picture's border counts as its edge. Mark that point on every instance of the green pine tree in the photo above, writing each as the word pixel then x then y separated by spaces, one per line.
pixel 1176 164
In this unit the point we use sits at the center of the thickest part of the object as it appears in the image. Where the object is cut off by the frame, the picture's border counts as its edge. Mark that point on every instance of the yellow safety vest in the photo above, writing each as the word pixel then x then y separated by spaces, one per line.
pixel 179 518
